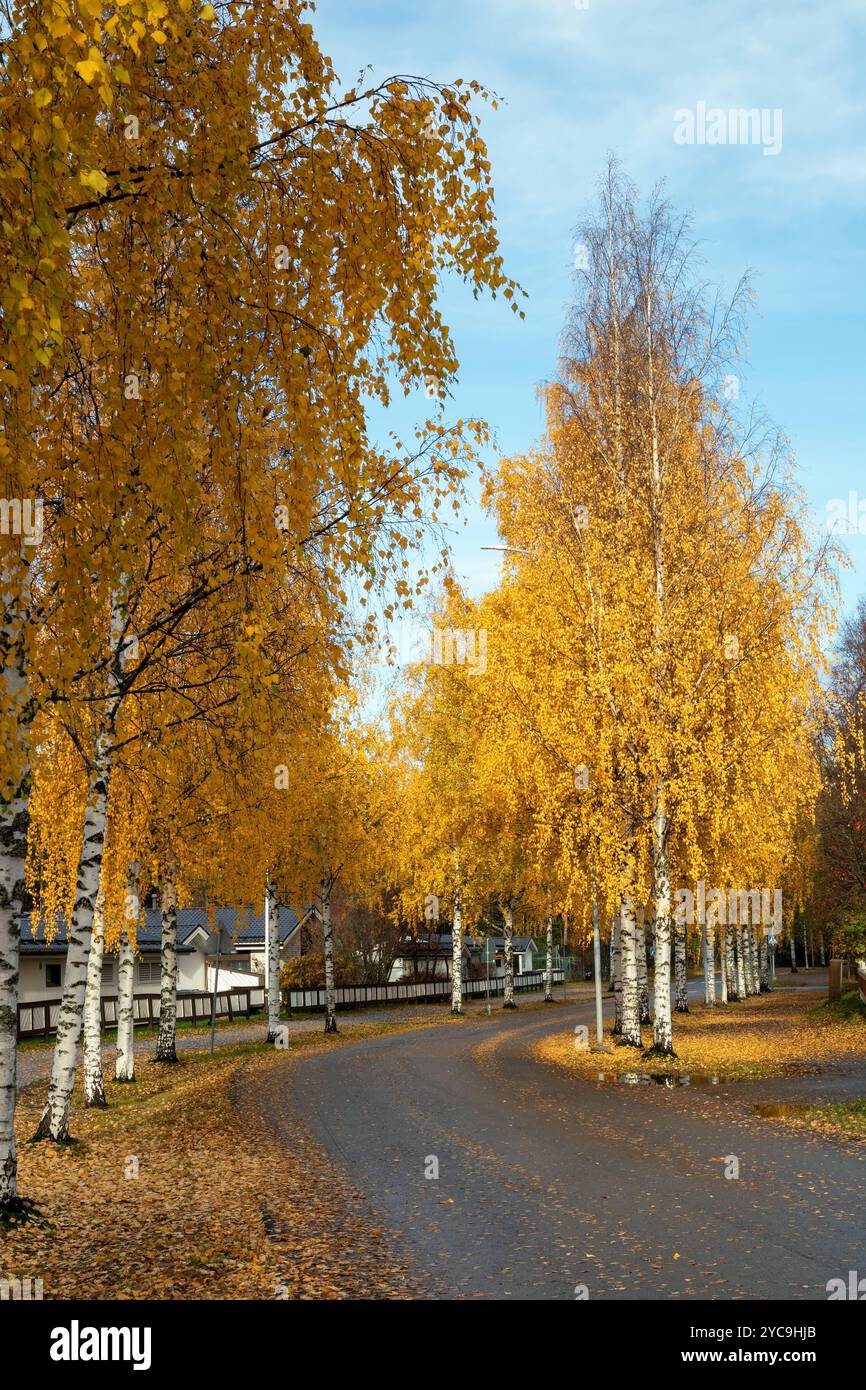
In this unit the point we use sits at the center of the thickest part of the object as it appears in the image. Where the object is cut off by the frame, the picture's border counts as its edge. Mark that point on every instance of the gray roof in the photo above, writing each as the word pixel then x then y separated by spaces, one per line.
pixel 247 929
pixel 437 942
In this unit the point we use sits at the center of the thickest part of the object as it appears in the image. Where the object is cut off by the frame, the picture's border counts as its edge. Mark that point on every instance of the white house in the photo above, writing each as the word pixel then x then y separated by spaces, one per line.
pixel 429 956
pixel 523 950
pixel 43 961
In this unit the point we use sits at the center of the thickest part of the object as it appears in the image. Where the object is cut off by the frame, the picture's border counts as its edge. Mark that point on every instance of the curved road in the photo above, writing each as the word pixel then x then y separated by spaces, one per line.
pixel 547 1183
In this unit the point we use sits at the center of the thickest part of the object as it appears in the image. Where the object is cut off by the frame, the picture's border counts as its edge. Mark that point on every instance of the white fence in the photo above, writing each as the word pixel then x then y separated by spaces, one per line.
pixel 417 992
pixel 39 1018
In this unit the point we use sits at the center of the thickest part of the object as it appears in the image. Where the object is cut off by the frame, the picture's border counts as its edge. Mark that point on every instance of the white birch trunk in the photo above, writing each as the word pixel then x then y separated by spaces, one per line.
pixel 508 1001
pixel 709 964
pixel 13 843
pixel 723 961
pixel 659 658
pixel 630 1035
pixel 764 963
pixel 457 956
pixel 272 937
pixel 54 1123
pixel 755 959
pixel 743 934
pixel 548 963
pixel 328 934
pixel 166 1042
pixel 794 943
pixel 822 953
pixel 731 962
pixel 642 975
pixel 748 948
pixel 94 1082
pixel 124 1062
pixel 13 849
pixel 742 986
pixel 616 974
pixel 663 1037
pixel 680 969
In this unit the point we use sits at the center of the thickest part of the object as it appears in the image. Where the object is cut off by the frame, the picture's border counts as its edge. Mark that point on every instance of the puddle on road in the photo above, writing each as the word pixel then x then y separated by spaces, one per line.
pixel 661 1078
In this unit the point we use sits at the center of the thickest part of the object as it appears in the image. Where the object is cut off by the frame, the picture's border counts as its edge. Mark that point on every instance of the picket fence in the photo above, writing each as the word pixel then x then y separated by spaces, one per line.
pixel 417 992
pixel 38 1017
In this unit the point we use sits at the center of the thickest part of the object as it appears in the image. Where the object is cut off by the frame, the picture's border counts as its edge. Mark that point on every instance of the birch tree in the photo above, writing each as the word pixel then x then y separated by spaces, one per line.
pixel 508 994
pixel 94 1082
pixel 548 960
pixel 124 1063
pixel 642 974
pixel 612 528
pixel 457 951
pixel 15 719
pixel 145 236
pixel 272 947
pixel 166 1042
pixel 338 831
pixel 442 835
pixel 616 976
pixel 323 899
pixel 54 1123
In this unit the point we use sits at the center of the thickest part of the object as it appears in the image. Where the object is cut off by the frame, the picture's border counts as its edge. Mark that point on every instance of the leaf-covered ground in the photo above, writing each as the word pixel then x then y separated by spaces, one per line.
pixel 768 1035
pixel 175 1192
pixel 840 1120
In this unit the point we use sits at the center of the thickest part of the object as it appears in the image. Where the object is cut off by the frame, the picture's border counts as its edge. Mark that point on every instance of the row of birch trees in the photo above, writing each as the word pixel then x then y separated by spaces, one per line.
pixel 216 260
pixel 646 720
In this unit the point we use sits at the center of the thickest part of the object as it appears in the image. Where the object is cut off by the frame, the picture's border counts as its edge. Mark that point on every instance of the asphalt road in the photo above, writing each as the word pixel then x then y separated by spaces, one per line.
pixel 34 1062
pixel 546 1183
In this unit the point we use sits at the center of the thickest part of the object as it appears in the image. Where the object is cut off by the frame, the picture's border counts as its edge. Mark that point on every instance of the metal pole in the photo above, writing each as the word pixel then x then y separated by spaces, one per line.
pixel 596 961
pixel 216 980
pixel 487 954
pixel 561 955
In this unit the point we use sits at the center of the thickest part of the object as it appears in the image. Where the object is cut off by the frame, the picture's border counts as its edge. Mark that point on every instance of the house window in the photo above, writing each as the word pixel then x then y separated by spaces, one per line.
pixel 108 972
pixel 148 972
pixel 52 976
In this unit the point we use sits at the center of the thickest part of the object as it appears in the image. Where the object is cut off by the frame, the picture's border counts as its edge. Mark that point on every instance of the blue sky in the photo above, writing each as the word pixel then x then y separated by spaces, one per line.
pixel 577 82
